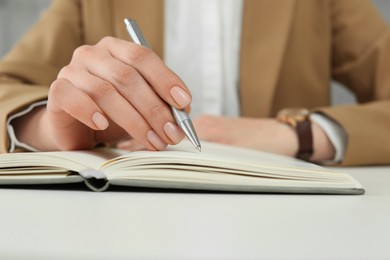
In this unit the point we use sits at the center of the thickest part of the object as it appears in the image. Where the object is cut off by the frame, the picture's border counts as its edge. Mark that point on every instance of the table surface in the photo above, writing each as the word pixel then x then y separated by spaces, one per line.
pixel 79 224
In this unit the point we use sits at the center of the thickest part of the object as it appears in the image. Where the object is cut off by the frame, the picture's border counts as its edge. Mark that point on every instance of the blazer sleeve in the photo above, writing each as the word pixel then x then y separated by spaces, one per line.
pixel 361 61
pixel 27 71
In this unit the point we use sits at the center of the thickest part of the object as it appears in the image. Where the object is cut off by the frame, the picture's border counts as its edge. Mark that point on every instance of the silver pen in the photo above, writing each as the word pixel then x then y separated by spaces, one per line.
pixel 180 115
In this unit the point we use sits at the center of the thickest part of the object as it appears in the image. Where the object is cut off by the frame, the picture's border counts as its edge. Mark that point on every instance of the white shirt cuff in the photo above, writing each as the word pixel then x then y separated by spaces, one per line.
pixel 14 142
pixel 335 133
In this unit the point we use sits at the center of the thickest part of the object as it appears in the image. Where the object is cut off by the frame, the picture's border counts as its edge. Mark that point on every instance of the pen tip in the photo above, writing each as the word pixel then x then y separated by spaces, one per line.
pixel 199 148
pixel 127 21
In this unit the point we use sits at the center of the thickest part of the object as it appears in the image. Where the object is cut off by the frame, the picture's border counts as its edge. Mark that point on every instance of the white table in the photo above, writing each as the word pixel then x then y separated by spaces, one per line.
pixel 74 224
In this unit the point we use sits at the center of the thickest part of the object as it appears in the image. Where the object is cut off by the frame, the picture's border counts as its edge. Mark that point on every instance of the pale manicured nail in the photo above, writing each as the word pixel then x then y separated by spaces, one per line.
pixel 180 96
pixel 100 121
pixel 155 140
pixel 173 132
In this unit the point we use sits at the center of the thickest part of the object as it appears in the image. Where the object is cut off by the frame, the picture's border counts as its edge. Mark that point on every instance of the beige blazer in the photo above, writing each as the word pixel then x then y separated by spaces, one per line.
pixel 290 50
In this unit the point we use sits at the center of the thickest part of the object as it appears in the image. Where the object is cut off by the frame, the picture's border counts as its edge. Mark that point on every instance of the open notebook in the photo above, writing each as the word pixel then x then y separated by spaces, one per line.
pixel 217 167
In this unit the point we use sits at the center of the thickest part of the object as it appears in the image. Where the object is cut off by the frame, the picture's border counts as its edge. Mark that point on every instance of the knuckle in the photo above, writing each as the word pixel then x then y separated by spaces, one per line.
pixel 56 94
pixel 157 110
pixel 139 54
pixel 102 89
pixel 82 52
pixel 125 76
pixel 56 87
pixel 106 40
pixel 64 72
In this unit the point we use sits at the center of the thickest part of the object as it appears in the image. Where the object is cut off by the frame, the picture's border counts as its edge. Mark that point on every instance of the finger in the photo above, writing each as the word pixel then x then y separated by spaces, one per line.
pixel 65 97
pixel 133 87
pixel 130 145
pixel 116 107
pixel 163 80
pixel 112 134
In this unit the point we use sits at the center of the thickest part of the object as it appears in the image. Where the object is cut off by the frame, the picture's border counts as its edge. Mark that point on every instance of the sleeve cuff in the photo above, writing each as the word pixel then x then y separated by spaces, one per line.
pixel 14 142
pixel 335 133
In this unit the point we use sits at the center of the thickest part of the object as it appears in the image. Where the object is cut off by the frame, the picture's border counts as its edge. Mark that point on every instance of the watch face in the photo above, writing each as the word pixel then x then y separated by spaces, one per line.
pixel 293 115
pixel 299 119
pixel 295 112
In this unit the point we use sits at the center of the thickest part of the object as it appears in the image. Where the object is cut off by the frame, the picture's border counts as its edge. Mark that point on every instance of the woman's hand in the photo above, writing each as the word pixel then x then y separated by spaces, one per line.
pixel 110 91
pixel 262 134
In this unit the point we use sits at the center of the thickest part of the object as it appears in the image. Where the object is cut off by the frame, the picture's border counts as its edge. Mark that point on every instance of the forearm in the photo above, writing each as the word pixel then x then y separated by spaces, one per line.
pixel 264 134
pixel 367 127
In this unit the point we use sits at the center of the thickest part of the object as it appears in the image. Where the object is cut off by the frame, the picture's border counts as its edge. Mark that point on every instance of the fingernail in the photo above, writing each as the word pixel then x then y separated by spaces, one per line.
pixel 180 96
pixel 155 140
pixel 100 121
pixel 173 132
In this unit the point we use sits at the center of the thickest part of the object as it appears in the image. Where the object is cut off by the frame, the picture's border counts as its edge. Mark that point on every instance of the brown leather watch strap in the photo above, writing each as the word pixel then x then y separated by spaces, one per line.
pixel 299 119
pixel 305 139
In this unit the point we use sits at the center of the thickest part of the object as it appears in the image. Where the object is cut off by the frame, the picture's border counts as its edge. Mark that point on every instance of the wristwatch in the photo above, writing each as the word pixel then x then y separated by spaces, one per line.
pixel 299 119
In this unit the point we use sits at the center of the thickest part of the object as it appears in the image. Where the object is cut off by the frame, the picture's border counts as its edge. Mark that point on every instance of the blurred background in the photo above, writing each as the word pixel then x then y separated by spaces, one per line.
pixel 16 16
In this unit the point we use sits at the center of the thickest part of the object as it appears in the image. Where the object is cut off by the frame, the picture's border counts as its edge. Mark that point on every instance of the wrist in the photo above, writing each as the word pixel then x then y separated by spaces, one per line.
pixel 289 139
pixel 298 119
pixel 313 143
pixel 323 147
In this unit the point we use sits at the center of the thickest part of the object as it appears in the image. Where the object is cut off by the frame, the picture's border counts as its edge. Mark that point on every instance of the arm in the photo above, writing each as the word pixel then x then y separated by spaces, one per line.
pixel 361 61
pixel 264 134
pixel 360 58
pixel 15 96
pixel 100 93
pixel 27 71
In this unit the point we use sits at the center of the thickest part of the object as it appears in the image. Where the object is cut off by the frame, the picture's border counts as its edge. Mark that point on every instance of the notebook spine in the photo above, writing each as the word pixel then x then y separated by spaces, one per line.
pixel 95 179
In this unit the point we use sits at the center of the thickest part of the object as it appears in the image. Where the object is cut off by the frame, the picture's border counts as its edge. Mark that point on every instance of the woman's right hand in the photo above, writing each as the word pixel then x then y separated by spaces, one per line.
pixel 108 92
